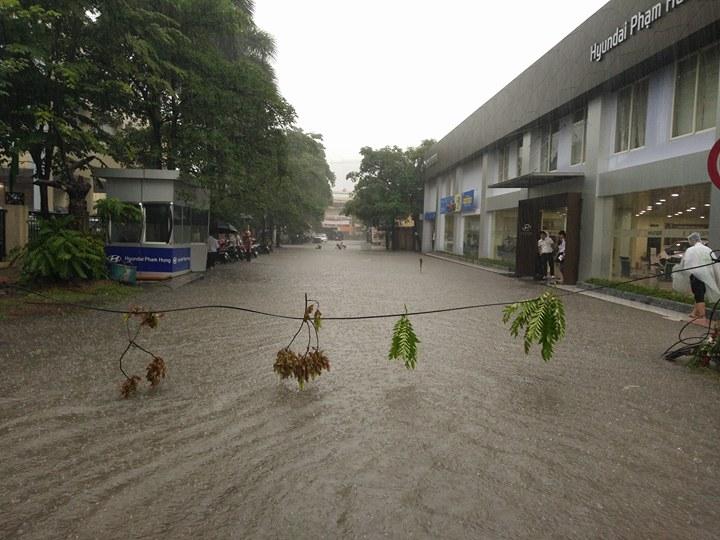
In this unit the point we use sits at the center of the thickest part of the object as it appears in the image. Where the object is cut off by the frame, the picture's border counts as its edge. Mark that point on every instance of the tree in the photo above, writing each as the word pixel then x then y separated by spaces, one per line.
pixel 388 187
pixel 51 90
pixel 297 192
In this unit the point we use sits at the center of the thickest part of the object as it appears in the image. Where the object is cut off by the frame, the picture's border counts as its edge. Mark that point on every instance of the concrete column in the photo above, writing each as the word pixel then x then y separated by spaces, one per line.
pixel 485 217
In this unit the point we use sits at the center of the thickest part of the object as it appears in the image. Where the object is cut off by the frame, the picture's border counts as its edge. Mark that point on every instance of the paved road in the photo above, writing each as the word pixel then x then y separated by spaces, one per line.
pixel 605 441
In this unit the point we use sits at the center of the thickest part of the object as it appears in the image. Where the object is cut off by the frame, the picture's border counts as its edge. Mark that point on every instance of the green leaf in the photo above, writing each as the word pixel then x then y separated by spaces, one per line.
pixel 543 320
pixel 404 343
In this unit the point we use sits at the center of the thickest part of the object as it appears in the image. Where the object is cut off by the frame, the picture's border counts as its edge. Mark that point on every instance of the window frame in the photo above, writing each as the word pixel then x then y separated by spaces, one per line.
pixel 694 130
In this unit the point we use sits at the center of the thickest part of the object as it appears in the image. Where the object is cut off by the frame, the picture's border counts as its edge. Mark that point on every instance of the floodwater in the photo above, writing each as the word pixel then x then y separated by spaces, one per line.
pixel 605 441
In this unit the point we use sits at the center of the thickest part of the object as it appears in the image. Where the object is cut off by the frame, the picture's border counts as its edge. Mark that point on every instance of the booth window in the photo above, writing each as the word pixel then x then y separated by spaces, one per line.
pixel 127 232
pixel 158 222
pixel 199 227
pixel 696 92
pixel 181 224
pixel 631 116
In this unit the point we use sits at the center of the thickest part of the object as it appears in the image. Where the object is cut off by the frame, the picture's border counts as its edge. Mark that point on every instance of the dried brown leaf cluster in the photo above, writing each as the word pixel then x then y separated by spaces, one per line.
pixel 145 316
pixel 303 368
pixel 129 387
pixel 155 371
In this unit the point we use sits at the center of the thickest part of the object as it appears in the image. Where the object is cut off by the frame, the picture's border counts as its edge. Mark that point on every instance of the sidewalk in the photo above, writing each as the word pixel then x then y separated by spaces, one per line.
pixel 673 311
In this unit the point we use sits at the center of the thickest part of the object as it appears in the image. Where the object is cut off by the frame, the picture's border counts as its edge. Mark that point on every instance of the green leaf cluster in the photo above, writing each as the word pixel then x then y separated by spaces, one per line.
pixel 60 253
pixel 542 319
pixel 404 343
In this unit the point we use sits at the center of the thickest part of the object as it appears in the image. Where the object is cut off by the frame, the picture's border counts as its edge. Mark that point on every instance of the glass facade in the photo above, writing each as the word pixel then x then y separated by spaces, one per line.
pixel 504 239
pixel 449 232
pixel 651 228
pixel 471 241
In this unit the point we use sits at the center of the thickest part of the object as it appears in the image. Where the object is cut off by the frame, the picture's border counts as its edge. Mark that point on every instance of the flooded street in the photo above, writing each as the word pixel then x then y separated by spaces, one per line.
pixel 606 440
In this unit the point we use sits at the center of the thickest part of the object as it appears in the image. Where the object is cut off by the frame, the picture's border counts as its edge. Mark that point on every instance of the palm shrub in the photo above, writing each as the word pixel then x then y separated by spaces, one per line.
pixel 60 253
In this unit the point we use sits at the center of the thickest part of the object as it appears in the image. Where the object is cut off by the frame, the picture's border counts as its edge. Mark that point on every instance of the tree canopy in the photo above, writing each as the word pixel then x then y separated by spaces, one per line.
pixel 388 186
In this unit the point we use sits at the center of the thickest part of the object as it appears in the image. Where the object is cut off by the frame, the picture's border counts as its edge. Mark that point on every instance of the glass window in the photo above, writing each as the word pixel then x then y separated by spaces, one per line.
pixel 696 92
pixel 449 233
pixel 505 234
pixel 158 222
pixel 504 156
pixel 708 88
pixel 638 119
pixel 684 96
pixel 631 116
pixel 199 227
pixel 578 138
pixel 554 145
pixel 126 231
pixel 520 156
pixel 181 224
pixel 622 119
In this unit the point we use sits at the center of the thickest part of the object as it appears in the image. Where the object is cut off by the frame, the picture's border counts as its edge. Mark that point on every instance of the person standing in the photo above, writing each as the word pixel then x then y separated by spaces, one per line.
pixel 212 245
pixel 561 253
pixel 546 247
pixel 697 270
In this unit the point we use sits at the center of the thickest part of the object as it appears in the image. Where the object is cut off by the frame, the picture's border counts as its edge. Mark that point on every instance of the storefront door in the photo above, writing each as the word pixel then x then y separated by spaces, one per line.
pixel 556 209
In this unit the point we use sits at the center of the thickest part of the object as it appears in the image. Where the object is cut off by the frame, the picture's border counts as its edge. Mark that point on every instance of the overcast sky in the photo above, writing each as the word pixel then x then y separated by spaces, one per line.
pixel 395 72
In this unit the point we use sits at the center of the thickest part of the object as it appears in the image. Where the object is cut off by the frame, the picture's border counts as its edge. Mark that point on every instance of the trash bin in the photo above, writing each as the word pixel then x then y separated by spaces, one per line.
pixel 123 273
pixel 625 266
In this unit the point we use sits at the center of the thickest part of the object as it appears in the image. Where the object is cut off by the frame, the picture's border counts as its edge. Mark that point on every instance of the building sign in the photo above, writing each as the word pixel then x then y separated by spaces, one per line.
pixel 468 201
pixel 642 20
pixel 448 205
pixel 147 259
pixel 429 216
pixel 15 198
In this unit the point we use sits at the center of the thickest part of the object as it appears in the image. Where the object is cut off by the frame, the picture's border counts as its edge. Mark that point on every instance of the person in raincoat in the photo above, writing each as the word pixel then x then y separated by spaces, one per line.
pixel 704 282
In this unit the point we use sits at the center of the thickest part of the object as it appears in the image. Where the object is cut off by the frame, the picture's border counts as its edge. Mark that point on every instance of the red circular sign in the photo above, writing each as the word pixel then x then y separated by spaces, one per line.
pixel 713 165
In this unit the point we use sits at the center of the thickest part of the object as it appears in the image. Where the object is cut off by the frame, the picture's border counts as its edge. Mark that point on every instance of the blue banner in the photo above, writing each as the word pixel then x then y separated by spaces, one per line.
pixel 468 201
pixel 151 259
pixel 429 216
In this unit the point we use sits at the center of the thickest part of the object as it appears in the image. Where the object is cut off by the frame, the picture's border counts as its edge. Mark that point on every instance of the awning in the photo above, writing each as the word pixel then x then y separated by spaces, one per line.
pixel 536 179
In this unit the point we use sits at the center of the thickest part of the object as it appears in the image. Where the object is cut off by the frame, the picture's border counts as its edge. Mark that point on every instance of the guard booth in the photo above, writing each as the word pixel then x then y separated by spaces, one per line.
pixel 170 240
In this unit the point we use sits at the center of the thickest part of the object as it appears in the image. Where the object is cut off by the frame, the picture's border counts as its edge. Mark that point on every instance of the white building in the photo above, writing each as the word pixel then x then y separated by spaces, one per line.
pixel 606 136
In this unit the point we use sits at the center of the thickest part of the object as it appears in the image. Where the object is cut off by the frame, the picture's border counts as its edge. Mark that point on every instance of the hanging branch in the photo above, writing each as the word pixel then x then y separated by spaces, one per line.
pixel 313 361
pixel 543 319
pixel 404 342
pixel 156 369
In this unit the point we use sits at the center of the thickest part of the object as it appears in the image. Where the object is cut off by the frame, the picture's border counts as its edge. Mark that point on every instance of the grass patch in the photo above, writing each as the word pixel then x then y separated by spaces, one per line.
pixel 482 261
pixel 644 290
pixel 19 303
